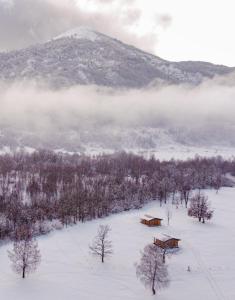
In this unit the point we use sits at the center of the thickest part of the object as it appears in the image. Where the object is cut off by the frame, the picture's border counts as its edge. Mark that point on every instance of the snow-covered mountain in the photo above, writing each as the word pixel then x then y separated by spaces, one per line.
pixel 83 56
pixel 165 142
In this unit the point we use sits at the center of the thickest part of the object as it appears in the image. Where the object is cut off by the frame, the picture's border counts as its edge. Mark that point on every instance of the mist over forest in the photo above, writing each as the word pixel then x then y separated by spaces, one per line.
pixel 36 116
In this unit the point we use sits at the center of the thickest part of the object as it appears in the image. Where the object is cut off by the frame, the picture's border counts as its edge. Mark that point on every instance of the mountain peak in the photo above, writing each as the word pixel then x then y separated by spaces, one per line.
pixel 81 32
pixel 83 56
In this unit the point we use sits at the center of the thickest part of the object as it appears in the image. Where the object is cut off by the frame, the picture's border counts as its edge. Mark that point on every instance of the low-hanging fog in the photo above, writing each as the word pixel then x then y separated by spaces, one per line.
pixel 90 116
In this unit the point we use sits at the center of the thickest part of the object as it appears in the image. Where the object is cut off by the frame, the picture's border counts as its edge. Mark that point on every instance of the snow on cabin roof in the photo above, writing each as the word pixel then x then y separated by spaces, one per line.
pixel 165 237
pixel 148 217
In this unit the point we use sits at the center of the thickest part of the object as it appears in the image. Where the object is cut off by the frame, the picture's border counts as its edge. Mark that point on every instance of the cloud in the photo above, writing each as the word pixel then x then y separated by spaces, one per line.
pixel 200 115
pixel 164 20
pixel 25 22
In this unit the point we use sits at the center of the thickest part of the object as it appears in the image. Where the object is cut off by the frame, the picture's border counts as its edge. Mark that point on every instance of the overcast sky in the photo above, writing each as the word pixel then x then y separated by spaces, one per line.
pixel 200 29
pixel 172 29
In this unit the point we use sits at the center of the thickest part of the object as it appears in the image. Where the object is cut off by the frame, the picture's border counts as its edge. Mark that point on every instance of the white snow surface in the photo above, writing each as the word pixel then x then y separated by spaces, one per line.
pixel 148 217
pixel 68 271
pixel 177 152
pixel 81 32
pixel 173 151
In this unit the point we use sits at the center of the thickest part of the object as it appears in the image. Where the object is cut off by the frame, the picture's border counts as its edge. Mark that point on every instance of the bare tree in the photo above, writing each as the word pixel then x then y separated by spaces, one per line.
pixel 23 232
pixel 25 256
pixel 101 246
pixel 168 211
pixel 45 186
pixel 151 271
pixel 200 208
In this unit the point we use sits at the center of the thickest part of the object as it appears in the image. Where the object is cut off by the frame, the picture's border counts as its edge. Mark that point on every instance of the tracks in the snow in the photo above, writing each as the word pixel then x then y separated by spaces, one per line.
pixel 211 280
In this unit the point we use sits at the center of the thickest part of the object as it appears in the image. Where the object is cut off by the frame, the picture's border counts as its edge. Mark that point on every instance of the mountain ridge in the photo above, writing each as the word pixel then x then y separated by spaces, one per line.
pixel 83 56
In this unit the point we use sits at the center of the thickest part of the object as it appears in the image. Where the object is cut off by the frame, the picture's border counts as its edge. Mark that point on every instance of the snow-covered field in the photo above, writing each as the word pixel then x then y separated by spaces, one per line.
pixel 69 272
pixel 162 153
pixel 168 152
pixel 185 152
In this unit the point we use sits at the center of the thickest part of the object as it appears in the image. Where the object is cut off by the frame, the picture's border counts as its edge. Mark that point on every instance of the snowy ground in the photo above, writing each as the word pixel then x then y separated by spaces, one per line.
pixel 69 272
pixel 173 151
pixel 161 153
pixel 185 152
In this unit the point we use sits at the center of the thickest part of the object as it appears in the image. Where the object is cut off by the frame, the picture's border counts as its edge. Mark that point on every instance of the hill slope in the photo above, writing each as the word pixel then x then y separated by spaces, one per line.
pixel 83 56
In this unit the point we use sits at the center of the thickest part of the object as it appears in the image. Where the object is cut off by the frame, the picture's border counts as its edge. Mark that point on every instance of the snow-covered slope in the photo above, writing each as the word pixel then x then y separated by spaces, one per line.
pixel 84 56
pixel 163 142
pixel 80 33
pixel 68 271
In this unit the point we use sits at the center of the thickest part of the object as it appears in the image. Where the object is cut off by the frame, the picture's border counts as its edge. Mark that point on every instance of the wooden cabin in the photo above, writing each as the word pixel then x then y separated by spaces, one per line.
pixel 166 242
pixel 150 221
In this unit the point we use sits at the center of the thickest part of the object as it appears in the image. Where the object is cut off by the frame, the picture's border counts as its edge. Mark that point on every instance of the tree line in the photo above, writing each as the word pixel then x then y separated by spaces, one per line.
pixel 43 187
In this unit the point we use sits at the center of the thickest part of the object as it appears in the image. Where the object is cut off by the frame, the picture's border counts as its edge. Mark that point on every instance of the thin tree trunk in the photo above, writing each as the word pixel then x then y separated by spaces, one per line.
pixel 164 256
pixel 153 290
pixel 153 281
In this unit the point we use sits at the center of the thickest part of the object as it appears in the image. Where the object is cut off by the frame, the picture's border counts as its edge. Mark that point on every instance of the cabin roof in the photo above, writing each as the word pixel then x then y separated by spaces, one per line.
pixel 165 237
pixel 148 217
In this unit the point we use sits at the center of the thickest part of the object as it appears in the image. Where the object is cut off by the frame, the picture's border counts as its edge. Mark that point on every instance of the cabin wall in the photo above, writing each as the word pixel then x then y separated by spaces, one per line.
pixel 167 244
pixel 151 222
pixel 143 221
pixel 155 222
pixel 172 244
pixel 159 243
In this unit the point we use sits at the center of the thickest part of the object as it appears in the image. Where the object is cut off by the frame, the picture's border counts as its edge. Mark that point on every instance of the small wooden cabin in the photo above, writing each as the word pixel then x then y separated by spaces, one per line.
pixel 150 221
pixel 166 242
